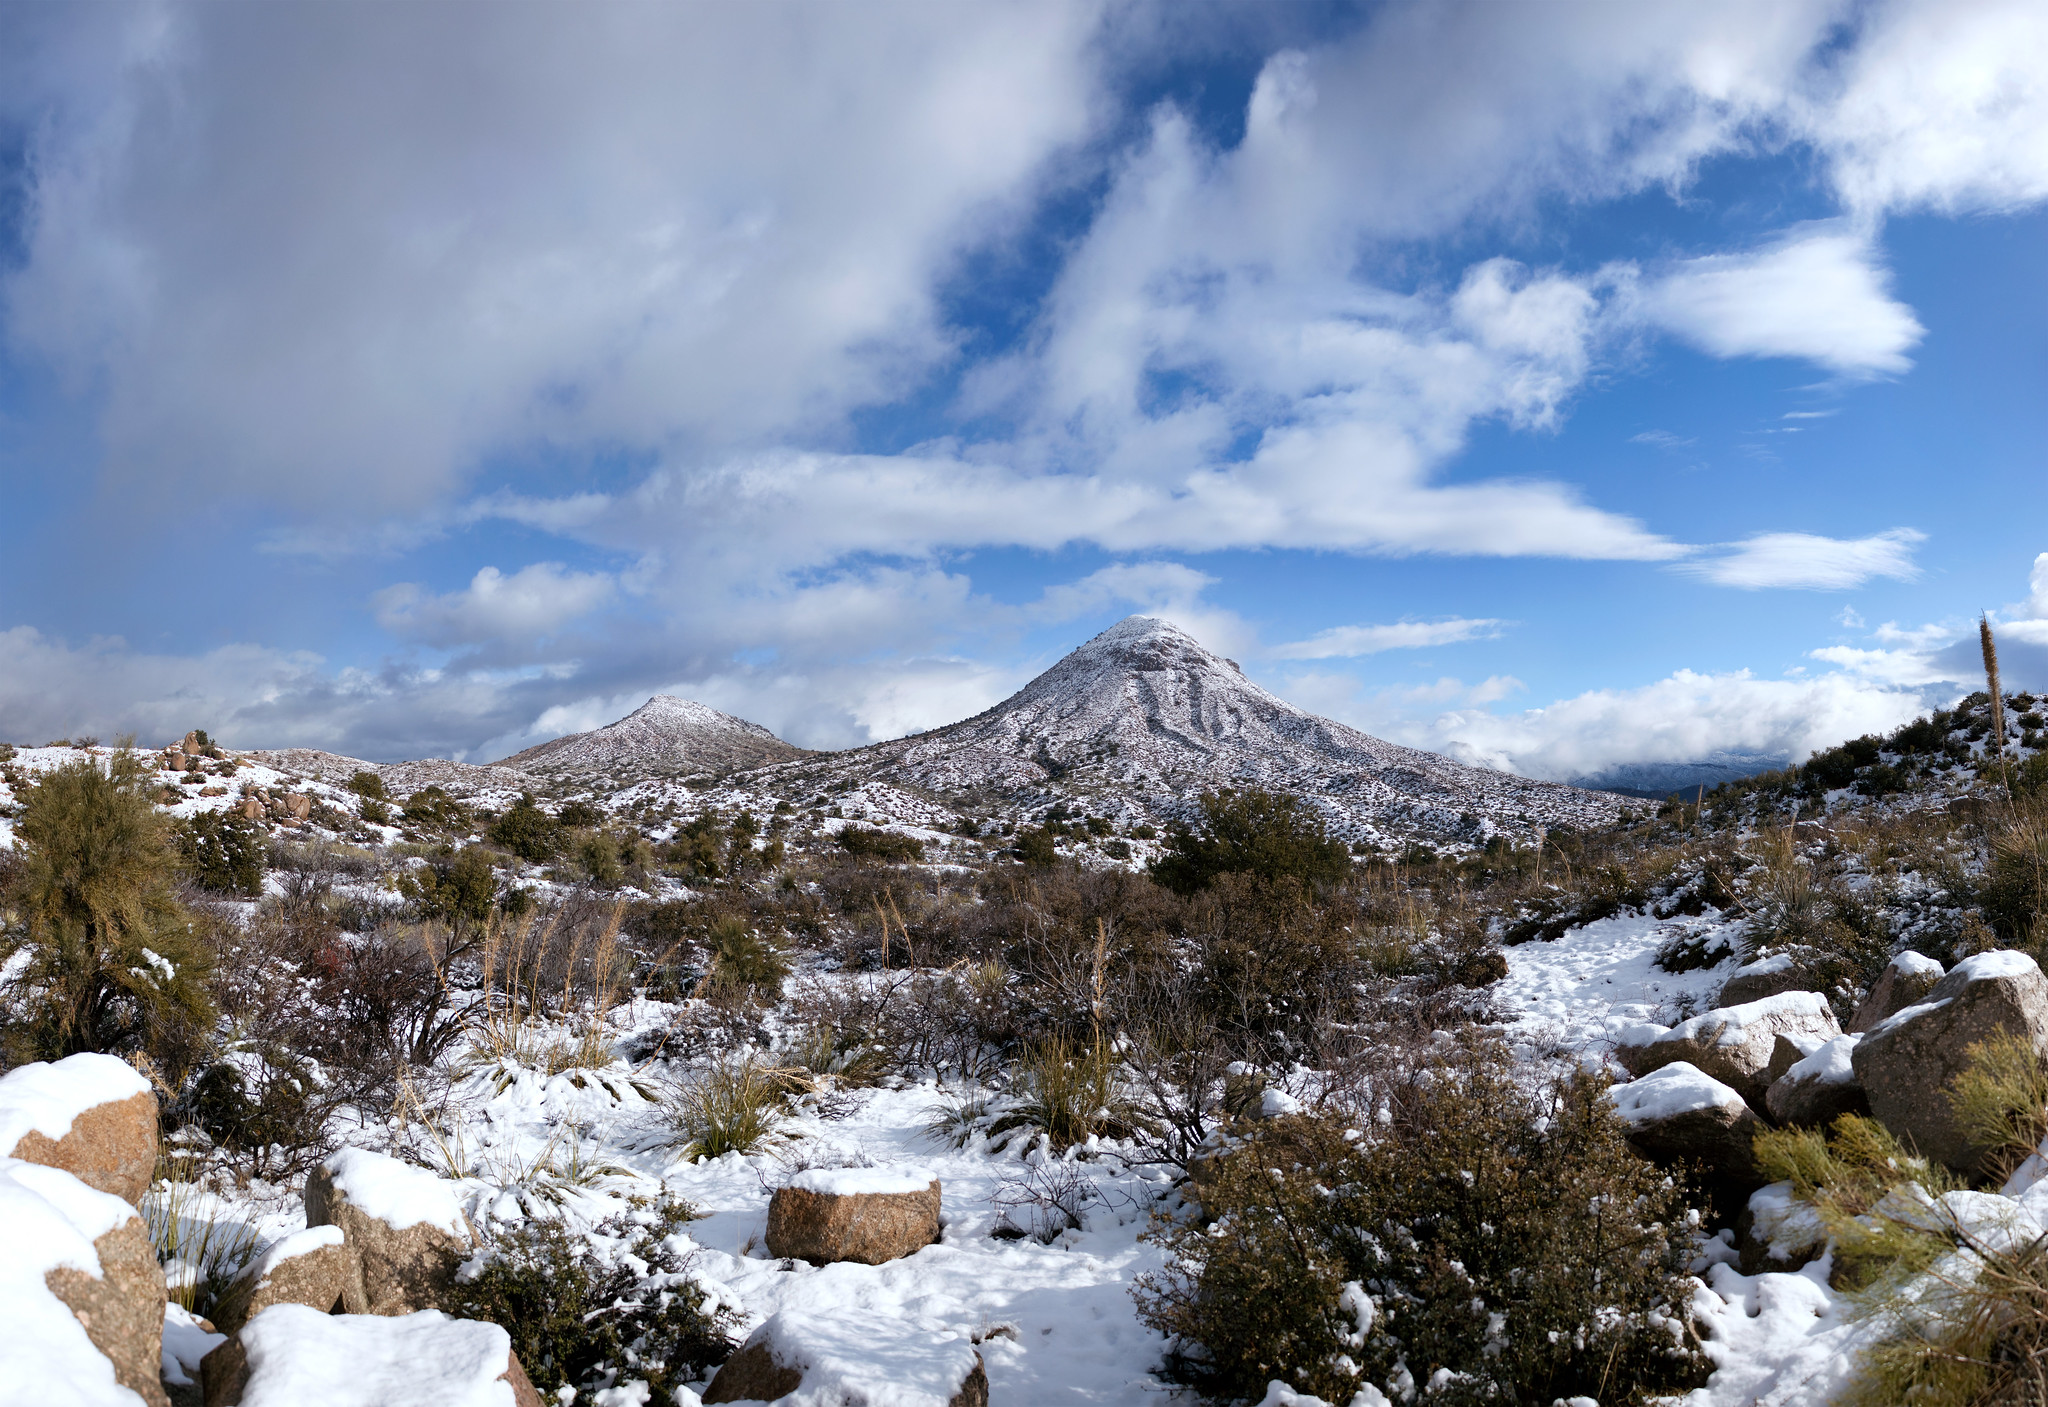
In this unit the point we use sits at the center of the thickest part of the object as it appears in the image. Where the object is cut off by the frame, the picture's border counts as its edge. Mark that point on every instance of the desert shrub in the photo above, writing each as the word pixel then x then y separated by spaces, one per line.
pixel 1853 1175
pixel 1037 846
pixel 263 1104
pixel 600 1309
pixel 597 856
pixel 1268 835
pixel 734 1105
pixel 697 849
pixel 872 843
pixel 526 830
pixel 112 961
pixel 1269 964
pixel 457 889
pixel 432 808
pixel 224 852
pixel 2000 1100
pixel 743 956
pixel 579 815
pixel 369 786
pixel 1487 1245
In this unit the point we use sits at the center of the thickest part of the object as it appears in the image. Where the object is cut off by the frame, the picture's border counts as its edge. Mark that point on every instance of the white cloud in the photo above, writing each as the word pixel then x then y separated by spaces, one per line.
pixel 1938 105
pixel 1817 295
pixel 1350 641
pixel 534 601
pixel 1682 718
pixel 1804 560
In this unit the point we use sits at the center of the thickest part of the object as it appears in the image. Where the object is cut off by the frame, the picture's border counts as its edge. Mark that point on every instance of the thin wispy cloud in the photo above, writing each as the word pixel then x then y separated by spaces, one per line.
pixel 1351 641
pixel 1806 561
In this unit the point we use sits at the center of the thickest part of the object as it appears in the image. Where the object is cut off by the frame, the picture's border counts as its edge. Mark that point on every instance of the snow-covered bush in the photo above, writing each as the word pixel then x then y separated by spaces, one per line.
pixel 1479 1244
pixel 223 851
pixel 601 1308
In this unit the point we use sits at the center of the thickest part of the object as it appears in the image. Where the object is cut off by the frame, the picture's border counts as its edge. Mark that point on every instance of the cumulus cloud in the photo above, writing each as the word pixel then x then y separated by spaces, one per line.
pixel 1818 295
pixel 1814 563
pixel 1350 641
pixel 533 601
pixel 349 273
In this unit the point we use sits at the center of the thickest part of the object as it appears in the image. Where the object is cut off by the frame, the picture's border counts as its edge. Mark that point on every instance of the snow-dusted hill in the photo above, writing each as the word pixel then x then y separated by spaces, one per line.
pixel 666 736
pixel 1144 715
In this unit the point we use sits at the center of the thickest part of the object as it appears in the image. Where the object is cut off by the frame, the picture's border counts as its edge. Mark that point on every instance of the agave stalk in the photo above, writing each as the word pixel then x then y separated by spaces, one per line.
pixel 1989 645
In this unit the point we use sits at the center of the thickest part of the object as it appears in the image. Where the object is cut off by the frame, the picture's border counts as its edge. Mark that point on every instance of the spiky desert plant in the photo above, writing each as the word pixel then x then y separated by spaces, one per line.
pixel 733 1106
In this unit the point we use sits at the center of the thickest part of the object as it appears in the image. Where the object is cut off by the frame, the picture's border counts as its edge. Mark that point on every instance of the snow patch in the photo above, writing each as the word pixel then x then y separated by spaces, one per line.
pixel 299 1357
pixel 1677 1088
pixel 864 1182
pixel 52 1219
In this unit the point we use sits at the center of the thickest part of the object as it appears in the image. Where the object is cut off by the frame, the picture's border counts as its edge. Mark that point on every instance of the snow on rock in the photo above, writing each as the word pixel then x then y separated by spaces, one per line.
pixel 856 1182
pixel 1788 1226
pixel 395 1193
pixel 1675 1089
pixel 292 1246
pixel 299 1357
pixel 47 1098
pixel 186 1344
pixel 51 1221
pixel 1918 965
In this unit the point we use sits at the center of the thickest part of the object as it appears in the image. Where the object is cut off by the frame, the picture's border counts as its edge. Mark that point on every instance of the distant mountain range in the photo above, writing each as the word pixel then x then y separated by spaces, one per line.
pixel 1131 728
pixel 1657 780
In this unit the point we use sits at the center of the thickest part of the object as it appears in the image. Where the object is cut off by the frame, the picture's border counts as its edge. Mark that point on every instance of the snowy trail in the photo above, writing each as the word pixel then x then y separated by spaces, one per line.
pixel 1583 992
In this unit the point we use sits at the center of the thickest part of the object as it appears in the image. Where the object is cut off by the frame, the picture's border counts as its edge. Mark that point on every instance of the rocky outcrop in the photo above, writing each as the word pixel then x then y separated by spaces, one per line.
pixel 1679 1114
pixel 1907 980
pixel 1906 1063
pixel 1735 1044
pixel 315 1267
pixel 867 1215
pixel 403 1225
pixel 873 1360
pixel 1819 1088
pixel 1766 977
pixel 91 1115
pixel 426 1359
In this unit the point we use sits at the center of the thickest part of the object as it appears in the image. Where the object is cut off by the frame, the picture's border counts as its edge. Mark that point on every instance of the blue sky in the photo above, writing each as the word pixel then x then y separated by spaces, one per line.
pixel 1558 386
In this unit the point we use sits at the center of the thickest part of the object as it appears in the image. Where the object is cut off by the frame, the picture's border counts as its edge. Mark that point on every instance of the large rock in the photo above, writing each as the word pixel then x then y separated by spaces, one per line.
pixel 83 1291
pixel 315 1267
pixel 1734 1044
pixel 854 1358
pixel 868 1215
pixel 1905 1063
pixel 404 1225
pixel 1906 981
pixel 1819 1088
pixel 1679 1114
pixel 294 1354
pixel 1766 977
pixel 91 1115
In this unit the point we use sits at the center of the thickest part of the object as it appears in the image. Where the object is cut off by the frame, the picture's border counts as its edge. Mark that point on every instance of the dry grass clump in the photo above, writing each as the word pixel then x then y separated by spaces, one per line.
pixel 202 1247
pixel 1076 1092
pixel 734 1105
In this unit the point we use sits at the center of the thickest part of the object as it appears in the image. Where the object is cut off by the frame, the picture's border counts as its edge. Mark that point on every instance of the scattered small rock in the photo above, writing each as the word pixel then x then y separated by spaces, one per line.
pixel 1678 1113
pixel 1734 1044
